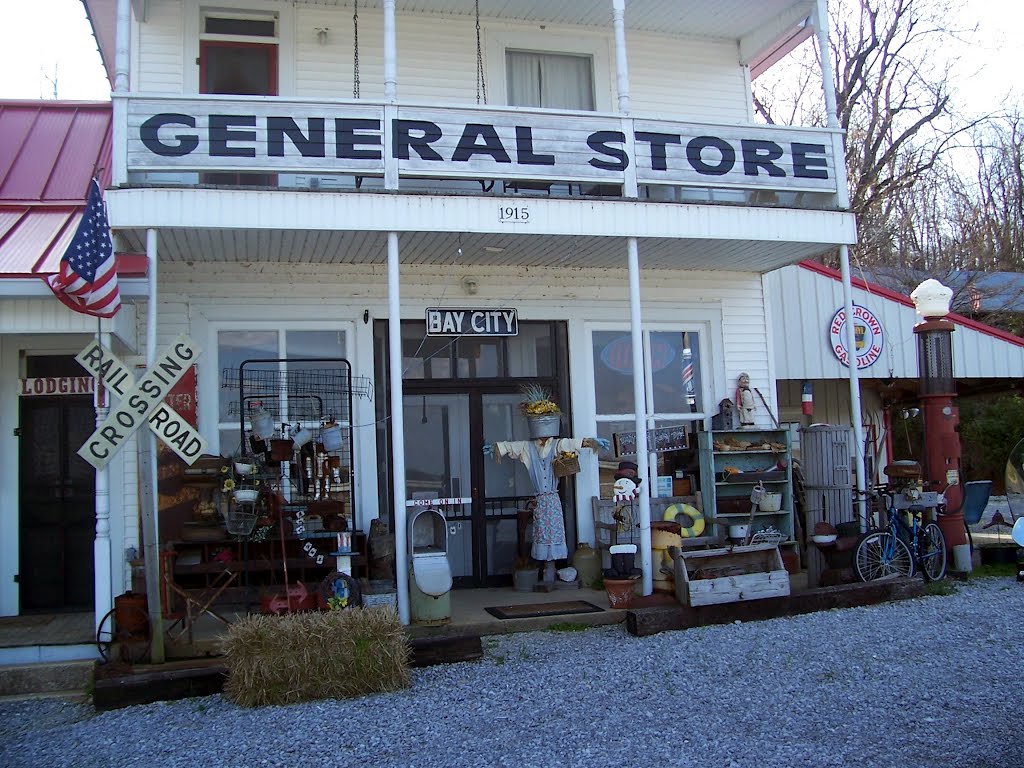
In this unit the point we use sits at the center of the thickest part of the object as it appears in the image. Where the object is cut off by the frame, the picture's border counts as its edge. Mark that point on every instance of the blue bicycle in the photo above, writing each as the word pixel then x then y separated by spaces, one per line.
pixel 901 548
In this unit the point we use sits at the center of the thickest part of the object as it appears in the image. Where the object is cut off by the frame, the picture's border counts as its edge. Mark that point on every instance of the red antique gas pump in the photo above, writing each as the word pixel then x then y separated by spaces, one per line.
pixel 938 395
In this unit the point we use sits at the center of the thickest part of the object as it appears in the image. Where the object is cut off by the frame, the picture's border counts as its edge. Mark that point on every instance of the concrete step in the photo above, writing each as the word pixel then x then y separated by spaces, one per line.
pixel 50 678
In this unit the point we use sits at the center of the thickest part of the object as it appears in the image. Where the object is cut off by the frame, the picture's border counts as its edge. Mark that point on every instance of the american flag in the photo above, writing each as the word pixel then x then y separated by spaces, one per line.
pixel 87 281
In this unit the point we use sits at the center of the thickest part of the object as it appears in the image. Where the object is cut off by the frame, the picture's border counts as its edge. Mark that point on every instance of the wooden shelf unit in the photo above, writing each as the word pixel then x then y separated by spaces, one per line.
pixel 722 499
pixel 261 566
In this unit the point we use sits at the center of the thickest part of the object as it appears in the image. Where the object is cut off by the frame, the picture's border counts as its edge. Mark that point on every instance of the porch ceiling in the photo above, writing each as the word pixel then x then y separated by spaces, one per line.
pixel 186 245
pixel 757 24
pixel 719 19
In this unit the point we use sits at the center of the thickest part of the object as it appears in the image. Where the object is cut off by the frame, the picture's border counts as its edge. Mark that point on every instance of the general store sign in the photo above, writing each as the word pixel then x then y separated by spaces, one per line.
pixel 249 134
pixel 442 321
pixel 869 337
pixel 142 402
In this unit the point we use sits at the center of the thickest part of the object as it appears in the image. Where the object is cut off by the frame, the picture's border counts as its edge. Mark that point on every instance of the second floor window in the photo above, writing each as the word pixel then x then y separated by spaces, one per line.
pixel 550 80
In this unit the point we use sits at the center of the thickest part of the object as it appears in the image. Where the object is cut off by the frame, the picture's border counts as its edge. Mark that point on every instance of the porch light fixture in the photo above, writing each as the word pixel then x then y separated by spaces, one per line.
pixel 321 34
pixel 470 285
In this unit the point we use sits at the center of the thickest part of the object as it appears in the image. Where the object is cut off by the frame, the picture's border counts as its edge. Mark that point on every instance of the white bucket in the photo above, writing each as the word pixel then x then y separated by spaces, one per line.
pixel 331 438
pixel 302 436
pixel 262 424
pixel 962 558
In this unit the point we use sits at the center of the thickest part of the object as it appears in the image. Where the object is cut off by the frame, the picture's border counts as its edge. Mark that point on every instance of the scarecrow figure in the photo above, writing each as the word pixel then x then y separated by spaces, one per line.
pixel 538 457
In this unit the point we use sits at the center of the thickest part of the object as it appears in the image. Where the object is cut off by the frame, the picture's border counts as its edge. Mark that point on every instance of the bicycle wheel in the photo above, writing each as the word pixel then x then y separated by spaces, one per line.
pixel 931 552
pixel 881 555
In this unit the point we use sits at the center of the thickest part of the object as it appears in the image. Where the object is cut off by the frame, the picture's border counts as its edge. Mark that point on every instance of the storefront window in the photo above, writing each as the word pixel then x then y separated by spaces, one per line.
pixel 674 391
pixel 234 347
pixel 528 354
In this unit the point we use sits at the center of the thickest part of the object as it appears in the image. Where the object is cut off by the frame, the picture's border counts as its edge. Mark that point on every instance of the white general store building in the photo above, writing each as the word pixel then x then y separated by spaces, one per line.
pixel 307 184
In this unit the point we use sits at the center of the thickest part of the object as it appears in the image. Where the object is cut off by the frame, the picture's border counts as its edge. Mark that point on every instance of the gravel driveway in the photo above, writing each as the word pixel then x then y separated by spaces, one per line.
pixel 931 682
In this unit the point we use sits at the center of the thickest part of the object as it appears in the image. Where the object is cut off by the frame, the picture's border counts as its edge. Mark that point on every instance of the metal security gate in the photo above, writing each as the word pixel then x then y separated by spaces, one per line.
pixel 828 485
pixel 56 505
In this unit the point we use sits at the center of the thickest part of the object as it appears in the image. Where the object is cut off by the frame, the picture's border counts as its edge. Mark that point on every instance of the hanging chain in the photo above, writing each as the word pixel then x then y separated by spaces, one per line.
pixel 355 48
pixel 481 82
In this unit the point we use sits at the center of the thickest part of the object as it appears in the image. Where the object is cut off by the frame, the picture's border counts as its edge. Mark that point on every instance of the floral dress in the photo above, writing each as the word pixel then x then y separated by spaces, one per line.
pixel 548 522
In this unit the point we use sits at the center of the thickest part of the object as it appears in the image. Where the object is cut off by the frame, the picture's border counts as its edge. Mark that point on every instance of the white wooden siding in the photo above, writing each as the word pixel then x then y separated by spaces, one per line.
pixel 804 303
pixel 197 299
pixel 697 78
pixel 671 78
pixel 161 49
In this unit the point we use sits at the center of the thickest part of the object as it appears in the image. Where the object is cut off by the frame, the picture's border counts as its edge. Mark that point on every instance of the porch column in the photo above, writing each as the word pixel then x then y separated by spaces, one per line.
pixel 820 20
pixel 397 428
pixel 119 125
pixel 643 458
pixel 102 566
pixel 395 343
pixel 148 472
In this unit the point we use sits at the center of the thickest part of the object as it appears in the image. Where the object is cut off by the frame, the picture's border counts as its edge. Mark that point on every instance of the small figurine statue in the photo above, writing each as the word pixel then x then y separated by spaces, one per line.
pixel 745 401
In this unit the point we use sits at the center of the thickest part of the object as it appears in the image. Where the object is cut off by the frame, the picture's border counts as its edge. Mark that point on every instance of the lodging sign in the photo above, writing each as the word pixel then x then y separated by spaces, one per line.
pixel 141 402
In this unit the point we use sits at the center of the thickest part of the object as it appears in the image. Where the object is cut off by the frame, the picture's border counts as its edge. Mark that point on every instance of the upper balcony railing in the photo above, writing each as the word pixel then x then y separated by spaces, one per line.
pixel 293 144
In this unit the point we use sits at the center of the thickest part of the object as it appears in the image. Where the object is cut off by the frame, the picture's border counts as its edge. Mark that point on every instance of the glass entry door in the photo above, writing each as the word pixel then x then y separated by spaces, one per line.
pixel 444 439
pixel 438 466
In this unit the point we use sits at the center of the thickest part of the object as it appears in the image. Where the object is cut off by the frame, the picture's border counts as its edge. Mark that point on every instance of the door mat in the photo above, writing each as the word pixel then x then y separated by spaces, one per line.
pixel 533 610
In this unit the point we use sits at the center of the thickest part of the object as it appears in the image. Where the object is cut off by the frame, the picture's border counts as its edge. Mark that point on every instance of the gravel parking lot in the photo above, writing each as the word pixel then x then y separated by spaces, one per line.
pixel 931 682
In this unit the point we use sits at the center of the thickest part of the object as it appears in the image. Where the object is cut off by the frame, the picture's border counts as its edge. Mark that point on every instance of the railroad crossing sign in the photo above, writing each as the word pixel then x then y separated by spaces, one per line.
pixel 141 402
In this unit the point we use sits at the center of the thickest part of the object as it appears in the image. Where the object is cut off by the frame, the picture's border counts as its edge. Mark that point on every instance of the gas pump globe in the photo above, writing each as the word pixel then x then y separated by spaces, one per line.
pixel 937 394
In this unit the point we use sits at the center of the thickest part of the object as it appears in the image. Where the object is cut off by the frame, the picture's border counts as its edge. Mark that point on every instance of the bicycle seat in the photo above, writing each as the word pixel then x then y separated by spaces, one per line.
pixel 904 470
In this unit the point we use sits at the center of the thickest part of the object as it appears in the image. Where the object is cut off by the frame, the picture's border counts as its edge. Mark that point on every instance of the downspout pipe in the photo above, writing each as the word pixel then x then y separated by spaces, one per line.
pixel 119 102
pixel 820 19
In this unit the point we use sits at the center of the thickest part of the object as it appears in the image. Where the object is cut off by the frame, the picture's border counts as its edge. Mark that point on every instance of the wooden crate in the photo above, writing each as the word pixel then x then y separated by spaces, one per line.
pixel 729 575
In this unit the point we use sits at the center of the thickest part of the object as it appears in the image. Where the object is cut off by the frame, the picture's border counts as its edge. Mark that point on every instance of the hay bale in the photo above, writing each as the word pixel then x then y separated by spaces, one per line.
pixel 309 656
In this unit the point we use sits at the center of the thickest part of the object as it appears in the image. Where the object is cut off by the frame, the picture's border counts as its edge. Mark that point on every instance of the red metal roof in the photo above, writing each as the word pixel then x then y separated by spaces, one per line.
pixel 49 150
pixel 899 298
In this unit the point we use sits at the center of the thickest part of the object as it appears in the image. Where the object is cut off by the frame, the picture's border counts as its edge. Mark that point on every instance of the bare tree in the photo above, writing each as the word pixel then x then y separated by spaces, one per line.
pixel 893 97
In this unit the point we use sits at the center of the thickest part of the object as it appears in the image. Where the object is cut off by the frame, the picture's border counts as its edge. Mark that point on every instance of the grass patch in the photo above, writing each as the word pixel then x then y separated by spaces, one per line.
pixel 308 656
pixel 568 626
pixel 944 587
pixel 993 570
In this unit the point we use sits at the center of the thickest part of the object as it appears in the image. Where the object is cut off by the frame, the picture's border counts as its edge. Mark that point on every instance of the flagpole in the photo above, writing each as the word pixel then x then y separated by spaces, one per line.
pixel 101 544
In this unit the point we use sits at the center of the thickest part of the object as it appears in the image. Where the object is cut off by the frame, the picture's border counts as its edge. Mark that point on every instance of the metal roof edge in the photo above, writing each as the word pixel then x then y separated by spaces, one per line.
pixel 891 295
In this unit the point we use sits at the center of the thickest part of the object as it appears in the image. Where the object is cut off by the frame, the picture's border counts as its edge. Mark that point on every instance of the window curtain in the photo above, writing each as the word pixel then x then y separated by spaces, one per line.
pixel 549 80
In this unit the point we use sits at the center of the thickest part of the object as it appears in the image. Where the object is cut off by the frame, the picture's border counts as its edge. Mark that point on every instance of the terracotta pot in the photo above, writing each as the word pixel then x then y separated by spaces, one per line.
pixel 620 592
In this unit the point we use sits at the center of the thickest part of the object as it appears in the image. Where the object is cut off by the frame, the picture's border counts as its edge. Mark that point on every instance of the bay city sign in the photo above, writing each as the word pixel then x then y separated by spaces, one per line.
pixel 141 402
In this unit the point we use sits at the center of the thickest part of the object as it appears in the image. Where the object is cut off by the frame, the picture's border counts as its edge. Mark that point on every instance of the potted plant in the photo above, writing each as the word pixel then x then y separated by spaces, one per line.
pixel 525 574
pixel 542 413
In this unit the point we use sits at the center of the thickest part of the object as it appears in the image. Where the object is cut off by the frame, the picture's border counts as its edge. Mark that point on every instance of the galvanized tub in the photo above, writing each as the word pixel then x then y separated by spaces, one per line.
pixel 544 426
